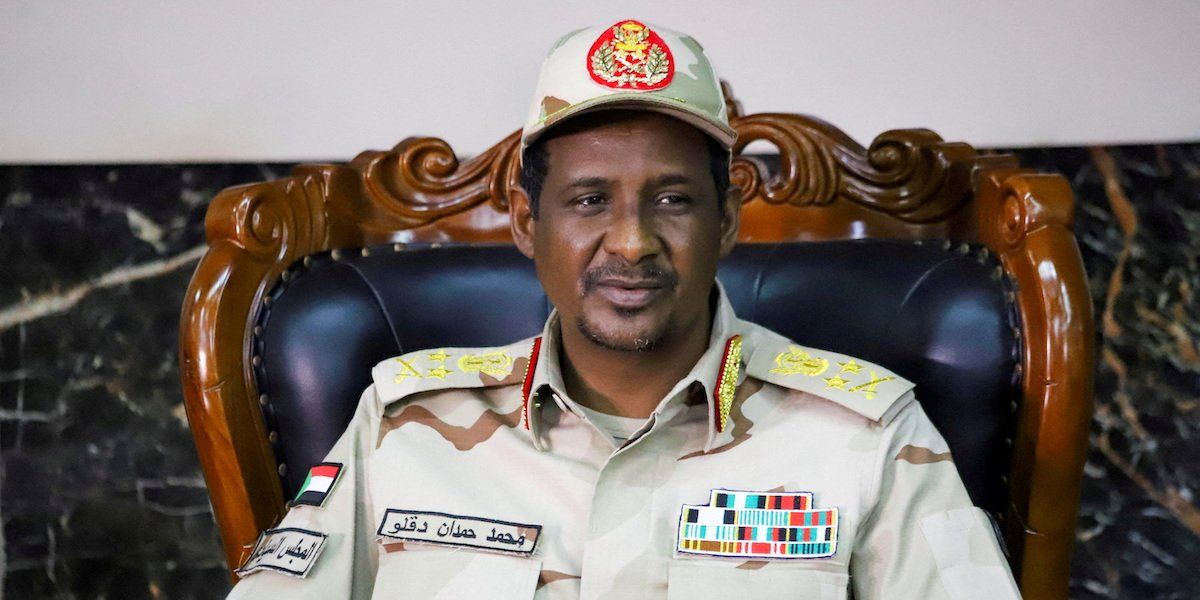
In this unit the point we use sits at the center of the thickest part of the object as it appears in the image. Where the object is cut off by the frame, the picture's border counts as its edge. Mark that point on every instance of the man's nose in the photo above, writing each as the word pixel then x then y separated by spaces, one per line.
pixel 631 235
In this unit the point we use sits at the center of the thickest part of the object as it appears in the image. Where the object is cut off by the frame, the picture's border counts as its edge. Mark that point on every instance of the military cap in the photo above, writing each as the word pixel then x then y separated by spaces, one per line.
pixel 630 65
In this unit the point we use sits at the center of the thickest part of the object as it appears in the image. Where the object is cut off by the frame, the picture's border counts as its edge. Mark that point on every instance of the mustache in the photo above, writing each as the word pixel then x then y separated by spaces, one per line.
pixel 644 274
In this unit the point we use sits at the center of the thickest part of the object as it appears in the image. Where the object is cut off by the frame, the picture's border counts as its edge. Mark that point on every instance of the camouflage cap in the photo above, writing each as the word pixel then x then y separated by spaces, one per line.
pixel 628 65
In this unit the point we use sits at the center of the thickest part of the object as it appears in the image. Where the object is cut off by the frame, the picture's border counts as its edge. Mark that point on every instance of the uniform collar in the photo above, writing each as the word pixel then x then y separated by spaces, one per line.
pixel 715 375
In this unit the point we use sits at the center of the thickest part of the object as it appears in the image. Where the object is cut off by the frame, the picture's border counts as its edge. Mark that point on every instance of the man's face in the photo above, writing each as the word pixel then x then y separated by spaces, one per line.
pixel 629 228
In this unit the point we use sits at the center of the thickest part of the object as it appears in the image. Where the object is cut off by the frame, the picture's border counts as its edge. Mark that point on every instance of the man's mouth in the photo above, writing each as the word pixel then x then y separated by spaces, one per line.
pixel 627 288
pixel 630 294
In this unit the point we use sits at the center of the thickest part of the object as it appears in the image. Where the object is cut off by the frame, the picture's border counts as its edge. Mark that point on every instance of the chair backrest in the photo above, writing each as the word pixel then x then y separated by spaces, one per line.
pixel 822 186
pixel 936 316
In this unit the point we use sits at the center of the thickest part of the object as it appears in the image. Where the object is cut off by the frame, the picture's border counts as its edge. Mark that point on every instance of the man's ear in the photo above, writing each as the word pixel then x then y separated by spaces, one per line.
pixel 731 219
pixel 520 220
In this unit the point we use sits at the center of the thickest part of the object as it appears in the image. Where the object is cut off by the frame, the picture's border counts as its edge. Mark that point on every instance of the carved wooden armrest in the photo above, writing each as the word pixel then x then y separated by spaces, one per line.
pixel 1025 217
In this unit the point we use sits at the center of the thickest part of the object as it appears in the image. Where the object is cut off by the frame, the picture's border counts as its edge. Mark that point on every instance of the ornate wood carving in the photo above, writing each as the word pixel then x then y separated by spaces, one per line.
pixel 908 175
pixel 423 180
pixel 907 179
pixel 907 184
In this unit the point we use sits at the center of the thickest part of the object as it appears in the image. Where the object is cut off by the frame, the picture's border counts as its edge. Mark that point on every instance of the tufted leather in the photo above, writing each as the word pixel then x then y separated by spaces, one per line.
pixel 935 314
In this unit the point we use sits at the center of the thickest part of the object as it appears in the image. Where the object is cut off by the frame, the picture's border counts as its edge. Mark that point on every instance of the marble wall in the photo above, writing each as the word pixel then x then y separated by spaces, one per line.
pixel 101 493
pixel 1138 225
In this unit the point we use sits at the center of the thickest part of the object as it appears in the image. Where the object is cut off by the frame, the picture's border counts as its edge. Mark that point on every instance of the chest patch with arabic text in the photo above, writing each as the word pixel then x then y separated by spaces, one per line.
pixel 459 531
pixel 288 550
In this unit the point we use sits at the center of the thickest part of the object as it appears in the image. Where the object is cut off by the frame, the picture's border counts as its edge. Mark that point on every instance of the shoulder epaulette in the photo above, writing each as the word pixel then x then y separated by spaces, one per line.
pixel 865 388
pixel 450 368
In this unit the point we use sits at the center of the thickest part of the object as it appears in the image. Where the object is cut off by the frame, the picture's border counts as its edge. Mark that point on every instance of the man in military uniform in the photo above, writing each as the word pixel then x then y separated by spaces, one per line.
pixel 648 443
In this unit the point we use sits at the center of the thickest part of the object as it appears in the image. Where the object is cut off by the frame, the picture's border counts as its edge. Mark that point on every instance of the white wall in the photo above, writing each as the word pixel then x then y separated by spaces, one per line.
pixel 218 80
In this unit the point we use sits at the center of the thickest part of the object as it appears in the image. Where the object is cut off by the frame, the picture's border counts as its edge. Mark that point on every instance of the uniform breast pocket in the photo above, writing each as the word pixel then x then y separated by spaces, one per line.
pixel 424 573
pixel 694 580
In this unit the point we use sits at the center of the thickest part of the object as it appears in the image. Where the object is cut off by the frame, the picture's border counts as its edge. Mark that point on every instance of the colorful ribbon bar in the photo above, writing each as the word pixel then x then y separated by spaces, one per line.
pixel 758 524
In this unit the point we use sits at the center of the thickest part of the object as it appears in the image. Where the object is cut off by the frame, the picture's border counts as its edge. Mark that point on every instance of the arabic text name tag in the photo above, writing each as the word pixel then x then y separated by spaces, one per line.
pixel 288 550
pixel 459 530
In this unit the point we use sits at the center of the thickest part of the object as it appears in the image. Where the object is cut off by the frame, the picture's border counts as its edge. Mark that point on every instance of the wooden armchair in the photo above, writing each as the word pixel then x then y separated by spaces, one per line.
pixel 907 185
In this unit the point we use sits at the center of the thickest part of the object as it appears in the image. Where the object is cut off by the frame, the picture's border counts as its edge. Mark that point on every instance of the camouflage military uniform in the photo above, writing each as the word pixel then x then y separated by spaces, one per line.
pixel 478 434
pixel 770 470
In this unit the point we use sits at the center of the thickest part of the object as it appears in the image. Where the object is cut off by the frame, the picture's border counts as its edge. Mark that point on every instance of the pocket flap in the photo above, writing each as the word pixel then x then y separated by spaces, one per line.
pixel 695 579
pixel 438 573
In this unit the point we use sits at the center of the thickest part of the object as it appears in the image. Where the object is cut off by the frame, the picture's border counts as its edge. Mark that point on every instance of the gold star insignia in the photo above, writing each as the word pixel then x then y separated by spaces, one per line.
pixel 439 356
pixel 850 367
pixel 836 382
pixel 440 372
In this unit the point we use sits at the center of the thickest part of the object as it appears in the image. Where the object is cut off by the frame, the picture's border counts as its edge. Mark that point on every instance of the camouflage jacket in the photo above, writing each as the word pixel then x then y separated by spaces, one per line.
pixel 770 471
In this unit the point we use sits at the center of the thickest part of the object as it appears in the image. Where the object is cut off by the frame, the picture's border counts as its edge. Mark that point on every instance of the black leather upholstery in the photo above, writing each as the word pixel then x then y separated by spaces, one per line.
pixel 935 314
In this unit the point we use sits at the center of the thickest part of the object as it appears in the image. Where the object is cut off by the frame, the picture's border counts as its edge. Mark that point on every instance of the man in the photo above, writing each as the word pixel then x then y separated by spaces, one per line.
pixel 648 444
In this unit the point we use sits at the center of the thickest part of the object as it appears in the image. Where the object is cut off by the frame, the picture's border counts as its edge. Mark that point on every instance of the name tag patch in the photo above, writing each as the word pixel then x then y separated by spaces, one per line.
pixel 459 531
pixel 288 550
pixel 758 525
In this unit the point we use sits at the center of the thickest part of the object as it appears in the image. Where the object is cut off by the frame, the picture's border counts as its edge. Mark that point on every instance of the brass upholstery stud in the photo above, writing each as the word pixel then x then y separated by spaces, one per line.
pixel 273 437
pixel 946 244
pixel 364 252
pixel 285 275
pixel 267 300
pixel 282 470
pixel 307 262
pixel 263 400
pixel 964 249
pixel 397 247
pixel 256 361
pixel 335 254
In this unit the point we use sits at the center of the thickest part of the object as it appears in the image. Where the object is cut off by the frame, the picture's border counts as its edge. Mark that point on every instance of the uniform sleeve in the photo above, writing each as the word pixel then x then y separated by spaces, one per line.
pixel 346 566
pixel 923 538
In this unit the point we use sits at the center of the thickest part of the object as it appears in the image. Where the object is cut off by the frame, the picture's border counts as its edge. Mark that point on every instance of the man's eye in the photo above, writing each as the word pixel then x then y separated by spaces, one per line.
pixel 668 199
pixel 590 200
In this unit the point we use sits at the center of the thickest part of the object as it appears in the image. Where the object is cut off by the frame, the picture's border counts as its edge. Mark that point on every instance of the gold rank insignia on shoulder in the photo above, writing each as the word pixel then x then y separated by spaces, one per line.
pixel 440 368
pixel 864 387
pixel 797 361
pixel 496 364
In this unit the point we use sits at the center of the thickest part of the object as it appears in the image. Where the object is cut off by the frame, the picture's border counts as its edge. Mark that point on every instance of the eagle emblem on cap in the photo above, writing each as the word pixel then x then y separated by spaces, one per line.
pixel 629 56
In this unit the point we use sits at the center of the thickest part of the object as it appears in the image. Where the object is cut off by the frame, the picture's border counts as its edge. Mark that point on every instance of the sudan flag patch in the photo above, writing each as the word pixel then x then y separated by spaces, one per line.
pixel 319 483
